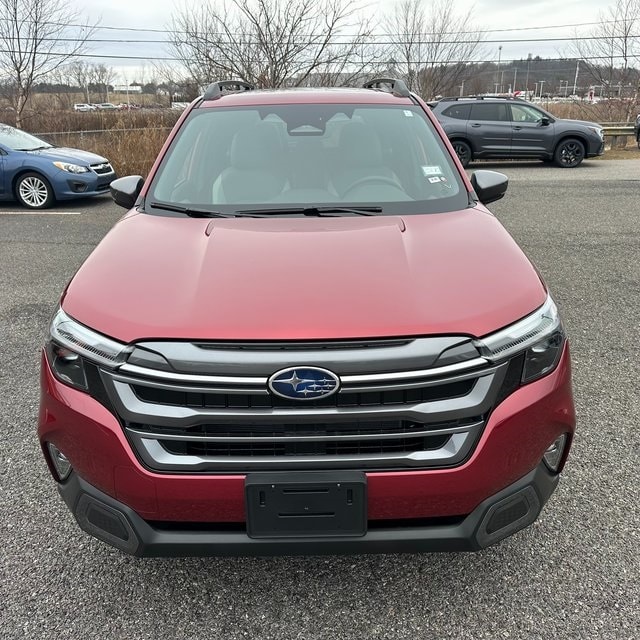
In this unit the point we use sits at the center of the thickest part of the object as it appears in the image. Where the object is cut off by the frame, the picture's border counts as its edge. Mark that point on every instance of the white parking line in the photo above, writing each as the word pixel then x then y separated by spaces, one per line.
pixel 40 213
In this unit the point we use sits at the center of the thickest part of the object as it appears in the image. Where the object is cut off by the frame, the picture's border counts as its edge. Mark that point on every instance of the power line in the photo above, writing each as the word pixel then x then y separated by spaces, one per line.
pixel 178 32
pixel 424 62
pixel 359 41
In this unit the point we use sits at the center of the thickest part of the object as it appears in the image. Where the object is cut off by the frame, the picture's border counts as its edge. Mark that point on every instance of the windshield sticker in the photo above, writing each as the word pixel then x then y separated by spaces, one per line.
pixel 433 179
pixel 431 171
pixel 409 114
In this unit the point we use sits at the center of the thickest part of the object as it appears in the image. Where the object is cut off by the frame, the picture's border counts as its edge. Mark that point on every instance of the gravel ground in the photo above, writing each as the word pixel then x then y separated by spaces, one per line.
pixel 574 574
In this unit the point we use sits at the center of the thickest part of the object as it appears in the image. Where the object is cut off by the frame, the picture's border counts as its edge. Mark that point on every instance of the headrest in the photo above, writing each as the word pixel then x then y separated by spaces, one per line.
pixel 255 147
pixel 360 145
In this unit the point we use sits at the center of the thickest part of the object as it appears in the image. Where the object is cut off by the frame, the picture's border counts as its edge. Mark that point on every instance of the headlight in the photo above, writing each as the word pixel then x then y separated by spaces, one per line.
pixel 71 168
pixel 70 343
pixel 598 131
pixel 540 336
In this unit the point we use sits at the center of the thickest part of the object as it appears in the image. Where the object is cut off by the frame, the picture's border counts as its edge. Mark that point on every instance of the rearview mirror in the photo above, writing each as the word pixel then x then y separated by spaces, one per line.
pixel 489 185
pixel 125 191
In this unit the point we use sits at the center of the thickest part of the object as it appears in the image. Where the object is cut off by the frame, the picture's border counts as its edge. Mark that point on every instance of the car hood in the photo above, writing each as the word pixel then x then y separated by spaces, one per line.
pixel 304 278
pixel 582 123
pixel 64 154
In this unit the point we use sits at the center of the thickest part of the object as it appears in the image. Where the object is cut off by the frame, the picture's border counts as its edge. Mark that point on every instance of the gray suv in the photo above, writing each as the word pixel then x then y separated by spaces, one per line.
pixel 493 127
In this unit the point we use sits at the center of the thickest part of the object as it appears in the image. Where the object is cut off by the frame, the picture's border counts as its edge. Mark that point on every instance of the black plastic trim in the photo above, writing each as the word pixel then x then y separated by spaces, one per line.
pixel 468 535
pixel 214 90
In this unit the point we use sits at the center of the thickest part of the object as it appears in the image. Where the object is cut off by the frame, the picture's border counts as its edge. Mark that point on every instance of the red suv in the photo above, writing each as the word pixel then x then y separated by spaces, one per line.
pixel 308 335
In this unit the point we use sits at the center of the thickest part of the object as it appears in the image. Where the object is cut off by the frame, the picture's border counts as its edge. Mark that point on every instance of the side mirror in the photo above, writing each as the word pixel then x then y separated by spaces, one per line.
pixel 544 121
pixel 489 185
pixel 125 191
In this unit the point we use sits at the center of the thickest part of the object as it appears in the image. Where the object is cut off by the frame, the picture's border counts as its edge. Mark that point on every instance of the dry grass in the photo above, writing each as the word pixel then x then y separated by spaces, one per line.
pixel 130 140
pixel 130 152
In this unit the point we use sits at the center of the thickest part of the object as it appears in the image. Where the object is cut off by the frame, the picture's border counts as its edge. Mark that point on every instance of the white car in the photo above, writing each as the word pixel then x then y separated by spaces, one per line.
pixel 83 106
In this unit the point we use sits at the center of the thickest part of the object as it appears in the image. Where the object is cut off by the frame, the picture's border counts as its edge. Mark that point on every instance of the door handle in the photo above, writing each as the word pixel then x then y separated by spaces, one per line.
pixel 517 128
pixel 476 125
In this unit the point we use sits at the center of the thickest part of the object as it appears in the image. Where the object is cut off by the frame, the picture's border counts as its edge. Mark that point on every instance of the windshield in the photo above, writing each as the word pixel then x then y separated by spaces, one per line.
pixel 19 140
pixel 276 157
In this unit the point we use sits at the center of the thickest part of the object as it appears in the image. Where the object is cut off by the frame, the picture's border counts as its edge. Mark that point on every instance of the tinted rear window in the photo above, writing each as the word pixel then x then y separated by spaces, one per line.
pixel 458 111
pixel 489 111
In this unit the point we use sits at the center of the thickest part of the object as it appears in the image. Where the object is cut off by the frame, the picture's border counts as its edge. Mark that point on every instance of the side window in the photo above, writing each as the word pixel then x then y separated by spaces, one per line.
pixel 458 111
pixel 524 113
pixel 491 111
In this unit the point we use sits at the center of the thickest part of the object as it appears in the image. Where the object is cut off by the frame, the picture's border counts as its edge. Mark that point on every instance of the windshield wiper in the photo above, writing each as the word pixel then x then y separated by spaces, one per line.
pixel 310 211
pixel 192 212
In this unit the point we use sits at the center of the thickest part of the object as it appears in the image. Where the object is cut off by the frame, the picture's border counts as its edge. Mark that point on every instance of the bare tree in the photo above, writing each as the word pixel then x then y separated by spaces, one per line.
pixel 34 41
pixel 432 46
pixel 613 50
pixel 101 78
pixel 79 74
pixel 273 43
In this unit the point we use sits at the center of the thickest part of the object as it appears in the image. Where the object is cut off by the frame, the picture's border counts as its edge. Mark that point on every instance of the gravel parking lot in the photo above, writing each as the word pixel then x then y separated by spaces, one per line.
pixel 574 574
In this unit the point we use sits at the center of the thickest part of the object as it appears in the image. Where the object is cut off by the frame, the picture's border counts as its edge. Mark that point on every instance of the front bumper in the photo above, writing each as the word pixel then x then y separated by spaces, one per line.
pixel 69 186
pixel 408 510
pixel 497 517
pixel 595 149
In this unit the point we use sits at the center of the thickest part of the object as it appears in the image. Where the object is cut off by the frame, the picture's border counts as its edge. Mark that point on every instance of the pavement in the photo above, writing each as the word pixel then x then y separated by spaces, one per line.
pixel 573 574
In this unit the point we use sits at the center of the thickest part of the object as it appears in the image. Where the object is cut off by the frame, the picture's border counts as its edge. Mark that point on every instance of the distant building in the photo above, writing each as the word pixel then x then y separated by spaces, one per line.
pixel 123 88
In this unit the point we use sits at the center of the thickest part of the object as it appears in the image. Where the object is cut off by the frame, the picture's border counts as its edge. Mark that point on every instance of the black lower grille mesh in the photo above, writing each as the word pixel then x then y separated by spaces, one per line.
pixel 301 448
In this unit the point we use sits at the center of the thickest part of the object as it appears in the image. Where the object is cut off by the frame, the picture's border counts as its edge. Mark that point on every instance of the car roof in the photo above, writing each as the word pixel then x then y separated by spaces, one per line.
pixel 307 96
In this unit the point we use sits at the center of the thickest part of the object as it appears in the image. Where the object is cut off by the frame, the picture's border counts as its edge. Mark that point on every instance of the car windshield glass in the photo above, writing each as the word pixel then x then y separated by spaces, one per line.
pixel 309 155
pixel 19 140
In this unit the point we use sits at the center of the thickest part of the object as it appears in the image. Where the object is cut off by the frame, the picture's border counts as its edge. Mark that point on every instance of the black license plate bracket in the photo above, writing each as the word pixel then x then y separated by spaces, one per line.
pixel 306 504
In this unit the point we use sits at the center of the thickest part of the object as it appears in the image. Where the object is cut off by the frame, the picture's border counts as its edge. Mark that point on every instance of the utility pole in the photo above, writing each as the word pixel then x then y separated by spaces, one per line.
pixel 515 75
pixel 541 85
pixel 498 72
pixel 526 89
pixel 575 80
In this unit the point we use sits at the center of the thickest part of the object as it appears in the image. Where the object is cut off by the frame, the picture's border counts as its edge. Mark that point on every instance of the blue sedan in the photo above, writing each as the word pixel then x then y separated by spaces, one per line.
pixel 36 174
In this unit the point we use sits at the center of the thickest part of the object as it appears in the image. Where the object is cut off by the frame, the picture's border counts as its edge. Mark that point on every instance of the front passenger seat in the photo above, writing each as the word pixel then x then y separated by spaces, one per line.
pixel 255 173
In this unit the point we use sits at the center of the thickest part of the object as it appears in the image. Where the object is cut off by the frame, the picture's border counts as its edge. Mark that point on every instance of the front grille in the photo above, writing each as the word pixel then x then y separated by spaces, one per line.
pixel 208 422
pixel 102 168
pixel 267 401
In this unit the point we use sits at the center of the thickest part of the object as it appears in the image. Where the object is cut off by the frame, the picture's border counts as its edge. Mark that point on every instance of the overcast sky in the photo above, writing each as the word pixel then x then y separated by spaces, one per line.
pixel 520 15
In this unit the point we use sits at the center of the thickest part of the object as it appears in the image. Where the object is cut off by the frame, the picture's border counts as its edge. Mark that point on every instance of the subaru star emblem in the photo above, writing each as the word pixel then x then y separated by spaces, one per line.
pixel 304 383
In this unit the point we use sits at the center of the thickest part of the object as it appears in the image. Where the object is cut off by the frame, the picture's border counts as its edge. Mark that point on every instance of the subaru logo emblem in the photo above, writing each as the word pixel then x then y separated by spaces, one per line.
pixel 304 383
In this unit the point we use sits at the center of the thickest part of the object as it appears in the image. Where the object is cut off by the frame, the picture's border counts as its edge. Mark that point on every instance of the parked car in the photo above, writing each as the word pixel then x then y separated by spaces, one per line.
pixel 636 130
pixel 37 174
pixel 308 335
pixel 106 106
pixel 495 127
pixel 83 106
pixel 123 106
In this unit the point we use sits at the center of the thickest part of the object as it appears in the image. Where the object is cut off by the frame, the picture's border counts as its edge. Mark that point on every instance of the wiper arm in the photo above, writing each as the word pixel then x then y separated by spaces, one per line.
pixel 310 211
pixel 192 212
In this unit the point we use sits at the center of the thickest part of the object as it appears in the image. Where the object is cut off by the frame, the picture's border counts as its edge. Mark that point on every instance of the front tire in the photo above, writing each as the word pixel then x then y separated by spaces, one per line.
pixel 569 153
pixel 34 191
pixel 463 151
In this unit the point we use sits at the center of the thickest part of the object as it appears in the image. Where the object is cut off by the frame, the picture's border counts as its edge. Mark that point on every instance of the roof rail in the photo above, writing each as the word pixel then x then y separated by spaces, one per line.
pixel 462 98
pixel 396 86
pixel 214 90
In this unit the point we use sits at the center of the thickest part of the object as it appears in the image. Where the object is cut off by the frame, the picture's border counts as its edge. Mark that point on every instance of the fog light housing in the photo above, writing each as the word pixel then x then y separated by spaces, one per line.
pixel 553 455
pixel 60 462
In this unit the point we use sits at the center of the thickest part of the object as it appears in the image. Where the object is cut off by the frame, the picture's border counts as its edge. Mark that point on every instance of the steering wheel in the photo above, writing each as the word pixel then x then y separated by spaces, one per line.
pixel 374 180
